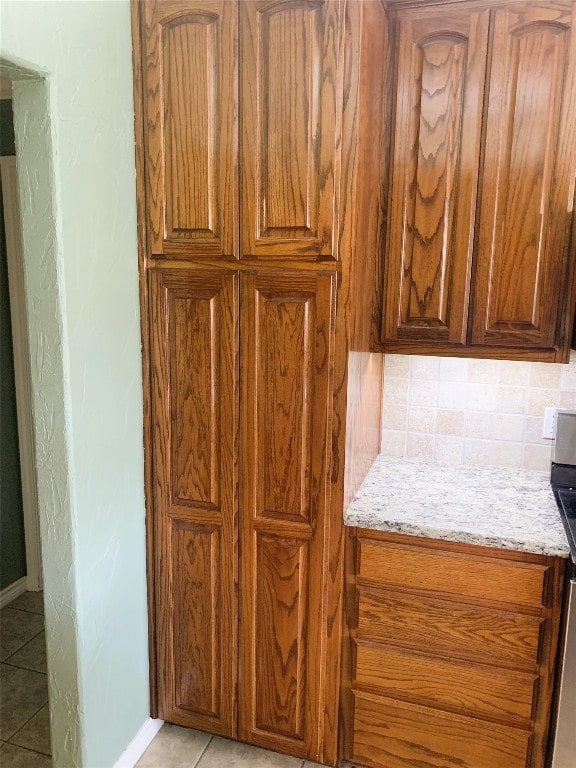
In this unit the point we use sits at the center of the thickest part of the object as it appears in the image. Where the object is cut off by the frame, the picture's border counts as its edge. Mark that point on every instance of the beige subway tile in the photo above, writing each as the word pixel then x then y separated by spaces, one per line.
pixel 450 422
pixel 481 397
pixel 478 453
pixel 394 416
pixel 511 399
pixel 533 426
pixel 508 427
pixel 540 399
pixel 568 401
pixel 449 450
pixel 478 424
pixel 507 454
pixel 545 375
pixel 393 443
pixel 513 372
pixel 420 446
pixel 395 391
pixel 454 369
pixel 423 392
pixel 568 376
pixel 483 371
pixel 424 367
pixel 537 457
pixel 421 419
pixel 452 394
pixel 397 365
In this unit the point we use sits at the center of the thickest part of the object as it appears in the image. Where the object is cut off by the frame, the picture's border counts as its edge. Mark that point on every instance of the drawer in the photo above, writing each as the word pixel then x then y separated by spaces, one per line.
pixel 449 629
pixel 454 573
pixel 473 689
pixel 396 735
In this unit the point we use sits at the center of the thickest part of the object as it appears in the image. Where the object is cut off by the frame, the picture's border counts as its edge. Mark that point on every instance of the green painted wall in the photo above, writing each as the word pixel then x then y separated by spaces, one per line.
pixel 12 545
pixel 75 149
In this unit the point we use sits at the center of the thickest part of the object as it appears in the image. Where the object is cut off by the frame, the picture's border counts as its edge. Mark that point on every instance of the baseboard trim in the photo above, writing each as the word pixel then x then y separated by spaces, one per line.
pixel 12 591
pixel 139 743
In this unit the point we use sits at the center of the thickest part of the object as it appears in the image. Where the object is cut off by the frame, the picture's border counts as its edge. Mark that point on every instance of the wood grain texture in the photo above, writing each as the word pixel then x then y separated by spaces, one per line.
pixel 447 684
pixel 194 354
pixel 287 362
pixel 528 177
pixel 448 676
pixel 464 575
pixel 441 63
pixel 191 131
pixel 451 629
pixel 290 114
pixel 398 735
pixel 137 64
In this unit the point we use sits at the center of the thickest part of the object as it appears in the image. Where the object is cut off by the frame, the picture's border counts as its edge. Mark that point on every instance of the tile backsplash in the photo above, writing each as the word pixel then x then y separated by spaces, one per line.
pixel 473 412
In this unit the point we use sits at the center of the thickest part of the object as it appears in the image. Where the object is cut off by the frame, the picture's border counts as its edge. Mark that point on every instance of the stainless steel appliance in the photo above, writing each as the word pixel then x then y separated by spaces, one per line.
pixel 563 479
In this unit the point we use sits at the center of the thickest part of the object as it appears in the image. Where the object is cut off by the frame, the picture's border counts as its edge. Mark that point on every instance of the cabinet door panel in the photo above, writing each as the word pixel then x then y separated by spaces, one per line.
pixel 440 79
pixel 190 94
pixel 290 71
pixel 528 181
pixel 195 506
pixel 286 370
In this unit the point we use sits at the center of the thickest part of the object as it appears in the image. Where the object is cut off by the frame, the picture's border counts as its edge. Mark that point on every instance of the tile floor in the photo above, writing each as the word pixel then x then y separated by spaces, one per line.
pixel 24 719
pixel 176 747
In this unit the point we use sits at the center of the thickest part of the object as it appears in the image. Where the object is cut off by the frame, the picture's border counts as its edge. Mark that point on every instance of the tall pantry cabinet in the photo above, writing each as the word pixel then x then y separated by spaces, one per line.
pixel 254 120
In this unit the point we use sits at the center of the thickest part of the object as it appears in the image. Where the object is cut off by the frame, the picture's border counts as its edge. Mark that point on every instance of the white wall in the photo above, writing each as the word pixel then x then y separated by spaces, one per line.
pixel 81 272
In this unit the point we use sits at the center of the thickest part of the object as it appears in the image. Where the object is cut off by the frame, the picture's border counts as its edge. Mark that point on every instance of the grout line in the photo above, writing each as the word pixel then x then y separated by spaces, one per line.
pixel 197 763
pixel 27 749
pixel 16 666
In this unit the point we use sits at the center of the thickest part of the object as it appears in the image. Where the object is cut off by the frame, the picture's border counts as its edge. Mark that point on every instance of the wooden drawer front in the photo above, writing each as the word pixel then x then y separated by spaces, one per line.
pixel 456 686
pixel 473 632
pixel 397 735
pixel 454 573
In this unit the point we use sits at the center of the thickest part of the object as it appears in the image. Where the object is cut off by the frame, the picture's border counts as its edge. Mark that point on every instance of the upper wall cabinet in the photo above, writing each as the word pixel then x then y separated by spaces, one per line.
pixel 479 258
pixel 290 79
pixel 190 75
pixel 284 95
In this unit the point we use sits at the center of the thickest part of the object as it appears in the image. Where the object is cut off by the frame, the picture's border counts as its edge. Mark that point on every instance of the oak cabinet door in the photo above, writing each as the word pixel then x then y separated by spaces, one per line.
pixel 194 412
pixel 190 92
pixel 286 363
pixel 441 61
pixel 528 177
pixel 289 113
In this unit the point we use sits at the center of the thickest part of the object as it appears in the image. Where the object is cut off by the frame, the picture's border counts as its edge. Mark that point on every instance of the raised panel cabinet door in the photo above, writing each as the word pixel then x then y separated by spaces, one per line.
pixel 527 188
pixel 291 66
pixel 190 92
pixel 194 413
pixel 441 64
pixel 286 416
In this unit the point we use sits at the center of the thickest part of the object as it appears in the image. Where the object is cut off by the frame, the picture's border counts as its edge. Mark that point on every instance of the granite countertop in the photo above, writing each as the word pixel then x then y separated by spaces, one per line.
pixel 505 508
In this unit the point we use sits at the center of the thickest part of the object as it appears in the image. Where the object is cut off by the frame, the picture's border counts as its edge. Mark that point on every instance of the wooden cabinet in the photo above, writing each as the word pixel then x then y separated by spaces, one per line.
pixel 190 176
pixel 194 415
pixel 292 106
pixel 286 362
pixel 248 143
pixel 480 254
pixel 451 653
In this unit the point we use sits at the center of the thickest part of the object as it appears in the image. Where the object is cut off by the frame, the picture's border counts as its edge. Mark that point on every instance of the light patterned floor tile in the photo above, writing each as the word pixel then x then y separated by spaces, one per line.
pixel 23 694
pixel 16 629
pixel 233 754
pixel 175 747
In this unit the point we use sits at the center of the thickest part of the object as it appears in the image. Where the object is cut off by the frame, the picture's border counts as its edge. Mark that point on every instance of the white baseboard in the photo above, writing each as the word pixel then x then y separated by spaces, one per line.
pixel 139 743
pixel 12 591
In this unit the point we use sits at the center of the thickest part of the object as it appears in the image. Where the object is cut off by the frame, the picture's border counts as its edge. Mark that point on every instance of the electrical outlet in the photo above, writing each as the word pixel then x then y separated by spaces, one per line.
pixel 550 422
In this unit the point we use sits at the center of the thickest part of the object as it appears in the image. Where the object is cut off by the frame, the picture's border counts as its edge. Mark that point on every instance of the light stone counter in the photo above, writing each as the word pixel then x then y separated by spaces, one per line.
pixel 504 508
